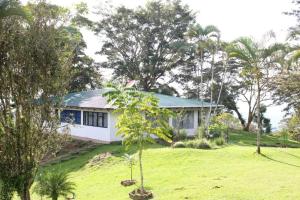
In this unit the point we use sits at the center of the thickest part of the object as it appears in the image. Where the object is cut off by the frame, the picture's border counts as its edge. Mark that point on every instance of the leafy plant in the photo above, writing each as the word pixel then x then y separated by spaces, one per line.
pixel 54 185
pixel 139 118
pixel 131 161
pixel 198 144
pixel 220 141
pixel 181 135
pixel 200 132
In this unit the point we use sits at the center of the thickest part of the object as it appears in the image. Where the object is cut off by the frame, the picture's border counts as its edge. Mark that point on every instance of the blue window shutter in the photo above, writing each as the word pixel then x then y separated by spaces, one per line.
pixel 74 115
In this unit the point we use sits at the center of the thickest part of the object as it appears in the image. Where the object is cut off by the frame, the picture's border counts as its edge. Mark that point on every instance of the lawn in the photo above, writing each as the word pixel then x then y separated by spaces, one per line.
pixel 232 172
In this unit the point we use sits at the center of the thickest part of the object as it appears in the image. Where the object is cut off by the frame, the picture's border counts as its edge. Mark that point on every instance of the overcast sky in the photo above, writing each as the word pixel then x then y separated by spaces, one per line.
pixel 234 18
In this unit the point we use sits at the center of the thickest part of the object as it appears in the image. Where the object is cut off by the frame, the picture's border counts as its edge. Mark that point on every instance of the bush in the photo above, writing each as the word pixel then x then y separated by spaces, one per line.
pixel 200 132
pixel 181 135
pixel 219 141
pixel 198 144
pixel 179 145
pixel 54 185
pixel 202 144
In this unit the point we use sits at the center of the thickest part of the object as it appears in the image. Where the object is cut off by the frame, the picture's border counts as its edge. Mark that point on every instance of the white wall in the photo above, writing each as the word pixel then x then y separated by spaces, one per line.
pixel 113 130
pixel 89 132
pixel 109 134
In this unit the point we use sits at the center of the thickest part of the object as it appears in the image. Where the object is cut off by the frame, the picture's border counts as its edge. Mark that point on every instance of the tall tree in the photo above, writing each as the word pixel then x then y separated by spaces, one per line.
pixel 146 43
pixel 256 60
pixel 35 56
pixel 287 84
pixel 84 72
pixel 201 39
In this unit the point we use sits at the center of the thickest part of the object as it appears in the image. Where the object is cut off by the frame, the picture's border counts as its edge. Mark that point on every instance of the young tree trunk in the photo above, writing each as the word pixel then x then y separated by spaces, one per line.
pixel 258 118
pixel 201 87
pixel 141 167
pixel 131 172
pixel 211 91
pixel 24 191
pixel 221 88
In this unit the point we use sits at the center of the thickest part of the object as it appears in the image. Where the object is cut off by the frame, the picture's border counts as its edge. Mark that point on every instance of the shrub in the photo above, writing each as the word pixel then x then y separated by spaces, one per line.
pixel 200 132
pixel 201 144
pixel 179 145
pixel 198 144
pixel 181 135
pixel 54 185
pixel 189 143
pixel 219 141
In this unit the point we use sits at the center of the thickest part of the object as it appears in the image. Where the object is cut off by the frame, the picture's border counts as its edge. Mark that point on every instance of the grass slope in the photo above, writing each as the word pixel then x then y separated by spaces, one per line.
pixel 233 172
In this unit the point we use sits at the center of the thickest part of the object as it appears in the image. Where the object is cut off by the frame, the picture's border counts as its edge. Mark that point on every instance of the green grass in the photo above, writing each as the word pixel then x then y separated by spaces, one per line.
pixel 233 172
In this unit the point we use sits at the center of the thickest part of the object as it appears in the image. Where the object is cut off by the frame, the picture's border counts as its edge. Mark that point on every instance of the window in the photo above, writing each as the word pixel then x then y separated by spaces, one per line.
pixel 186 122
pixel 98 119
pixel 71 116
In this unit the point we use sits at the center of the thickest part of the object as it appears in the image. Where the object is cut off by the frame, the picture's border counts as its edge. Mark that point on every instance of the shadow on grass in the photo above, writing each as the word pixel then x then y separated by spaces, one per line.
pixel 242 138
pixel 290 154
pixel 279 161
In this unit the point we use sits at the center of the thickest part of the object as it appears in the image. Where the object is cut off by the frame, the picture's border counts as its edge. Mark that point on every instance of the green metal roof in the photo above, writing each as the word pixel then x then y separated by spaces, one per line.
pixel 94 99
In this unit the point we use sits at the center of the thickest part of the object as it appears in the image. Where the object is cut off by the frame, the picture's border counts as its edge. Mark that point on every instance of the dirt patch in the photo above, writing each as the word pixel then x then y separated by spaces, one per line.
pixel 98 159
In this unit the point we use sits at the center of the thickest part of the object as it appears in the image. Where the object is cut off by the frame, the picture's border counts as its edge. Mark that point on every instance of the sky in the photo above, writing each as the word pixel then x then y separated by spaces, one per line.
pixel 234 18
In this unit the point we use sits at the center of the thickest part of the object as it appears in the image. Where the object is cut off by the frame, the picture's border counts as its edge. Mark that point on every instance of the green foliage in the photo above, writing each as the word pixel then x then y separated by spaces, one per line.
pixel 199 144
pixel 200 132
pixel 145 43
pixel 34 68
pixel 181 135
pixel 292 127
pixel 284 134
pixel 196 144
pixel 139 118
pixel 219 141
pixel 131 161
pixel 84 73
pixel 54 185
pixel 9 8
pixel 179 144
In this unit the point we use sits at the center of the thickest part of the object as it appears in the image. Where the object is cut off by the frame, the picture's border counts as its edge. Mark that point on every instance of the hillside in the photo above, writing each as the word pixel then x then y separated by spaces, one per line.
pixel 231 172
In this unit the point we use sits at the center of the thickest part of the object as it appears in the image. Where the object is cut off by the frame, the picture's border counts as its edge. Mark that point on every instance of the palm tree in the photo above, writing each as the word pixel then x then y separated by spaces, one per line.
pixel 256 61
pixel 204 39
pixel 54 185
pixel 131 160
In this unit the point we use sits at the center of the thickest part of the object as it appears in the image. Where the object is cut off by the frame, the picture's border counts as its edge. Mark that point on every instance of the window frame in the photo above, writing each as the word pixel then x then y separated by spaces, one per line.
pixel 89 116
pixel 75 120
pixel 185 123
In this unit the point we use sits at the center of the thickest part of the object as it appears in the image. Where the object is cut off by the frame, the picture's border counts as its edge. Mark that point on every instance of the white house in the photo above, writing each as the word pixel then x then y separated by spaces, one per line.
pixel 93 117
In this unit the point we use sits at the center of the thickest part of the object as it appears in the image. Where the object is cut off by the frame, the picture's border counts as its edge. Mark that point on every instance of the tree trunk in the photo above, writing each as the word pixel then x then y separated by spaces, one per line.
pixel 25 195
pixel 141 167
pixel 249 121
pixel 258 118
pixel 211 91
pixel 240 117
pixel 221 88
pixel 24 191
pixel 201 88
